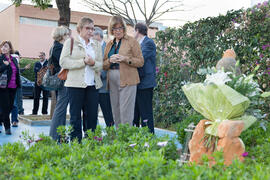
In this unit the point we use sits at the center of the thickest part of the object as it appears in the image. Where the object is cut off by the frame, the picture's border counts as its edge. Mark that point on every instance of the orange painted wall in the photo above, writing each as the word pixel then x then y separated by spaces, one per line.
pixel 7 26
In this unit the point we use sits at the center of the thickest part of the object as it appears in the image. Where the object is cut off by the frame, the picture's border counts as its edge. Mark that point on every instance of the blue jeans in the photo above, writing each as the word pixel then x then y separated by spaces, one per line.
pixel 14 111
pixel 20 101
pixel 60 111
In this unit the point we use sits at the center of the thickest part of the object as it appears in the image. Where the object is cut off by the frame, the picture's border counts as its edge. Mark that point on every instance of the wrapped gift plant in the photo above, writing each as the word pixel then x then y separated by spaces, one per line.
pixel 228 103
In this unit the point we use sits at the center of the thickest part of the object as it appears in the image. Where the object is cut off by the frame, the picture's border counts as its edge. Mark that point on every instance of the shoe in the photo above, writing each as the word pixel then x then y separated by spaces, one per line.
pixel 33 114
pixel 21 113
pixel 15 124
pixel 8 132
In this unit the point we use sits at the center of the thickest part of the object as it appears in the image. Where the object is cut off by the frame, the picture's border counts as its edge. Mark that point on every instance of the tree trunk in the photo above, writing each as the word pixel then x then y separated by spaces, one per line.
pixel 64 19
pixel 64 12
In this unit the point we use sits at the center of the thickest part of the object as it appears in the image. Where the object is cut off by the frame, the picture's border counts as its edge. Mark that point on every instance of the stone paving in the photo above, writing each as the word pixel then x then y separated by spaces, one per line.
pixel 36 130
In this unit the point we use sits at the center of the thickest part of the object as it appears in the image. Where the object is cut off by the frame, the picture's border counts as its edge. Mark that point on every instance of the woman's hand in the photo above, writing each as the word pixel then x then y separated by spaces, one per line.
pixel 119 58
pixel 113 59
pixel 6 63
pixel 89 61
pixel 27 66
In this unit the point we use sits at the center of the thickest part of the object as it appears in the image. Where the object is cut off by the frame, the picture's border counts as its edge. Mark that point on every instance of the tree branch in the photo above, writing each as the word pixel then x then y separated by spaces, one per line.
pixel 122 8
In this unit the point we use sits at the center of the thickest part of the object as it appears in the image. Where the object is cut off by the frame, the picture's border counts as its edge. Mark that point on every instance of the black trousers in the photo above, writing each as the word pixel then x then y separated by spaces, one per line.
pixel 37 93
pixel 105 105
pixel 86 100
pixel 7 96
pixel 144 109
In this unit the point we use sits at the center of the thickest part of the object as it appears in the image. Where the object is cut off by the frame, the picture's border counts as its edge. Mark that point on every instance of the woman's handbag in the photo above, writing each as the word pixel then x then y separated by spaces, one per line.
pixel 50 81
pixel 40 74
pixel 3 79
pixel 63 74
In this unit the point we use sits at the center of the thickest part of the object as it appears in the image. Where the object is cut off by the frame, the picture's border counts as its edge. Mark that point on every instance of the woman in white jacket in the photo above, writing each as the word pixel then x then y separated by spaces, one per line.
pixel 83 79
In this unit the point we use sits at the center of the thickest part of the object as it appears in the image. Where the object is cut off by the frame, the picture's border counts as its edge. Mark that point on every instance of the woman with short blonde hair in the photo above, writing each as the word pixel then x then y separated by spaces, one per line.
pixel 83 21
pixel 60 32
pixel 83 79
pixel 60 35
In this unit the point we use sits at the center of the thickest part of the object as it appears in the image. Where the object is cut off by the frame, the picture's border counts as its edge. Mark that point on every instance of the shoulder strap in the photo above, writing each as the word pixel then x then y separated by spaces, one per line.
pixel 71 45
pixel 50 56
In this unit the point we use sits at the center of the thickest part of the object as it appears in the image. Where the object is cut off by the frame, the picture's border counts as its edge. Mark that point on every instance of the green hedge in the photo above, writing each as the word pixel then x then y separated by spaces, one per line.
pixel 29 74
pixel 121 154
pixel 183 51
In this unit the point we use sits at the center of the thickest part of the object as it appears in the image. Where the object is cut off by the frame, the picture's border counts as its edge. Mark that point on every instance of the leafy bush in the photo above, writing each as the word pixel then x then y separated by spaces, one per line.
pixel 183 51
pixel 29 74
pixel 257 134
pixel 126 153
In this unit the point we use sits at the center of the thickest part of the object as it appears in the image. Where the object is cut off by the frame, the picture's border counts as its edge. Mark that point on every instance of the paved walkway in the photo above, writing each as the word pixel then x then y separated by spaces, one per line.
pixel 36 130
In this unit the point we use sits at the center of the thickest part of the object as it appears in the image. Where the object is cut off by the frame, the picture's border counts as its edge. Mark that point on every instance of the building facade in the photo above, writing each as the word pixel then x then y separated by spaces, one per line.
pixel 29 28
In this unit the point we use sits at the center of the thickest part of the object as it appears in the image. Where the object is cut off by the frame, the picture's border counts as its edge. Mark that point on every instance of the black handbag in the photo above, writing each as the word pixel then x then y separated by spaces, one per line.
pixel 3 79
pixel 50 81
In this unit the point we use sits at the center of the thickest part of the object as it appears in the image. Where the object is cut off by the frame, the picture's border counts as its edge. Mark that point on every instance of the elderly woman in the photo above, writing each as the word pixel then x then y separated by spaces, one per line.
pixel 83 58
pixel 122 57
pixel 60 35
pixel 8 66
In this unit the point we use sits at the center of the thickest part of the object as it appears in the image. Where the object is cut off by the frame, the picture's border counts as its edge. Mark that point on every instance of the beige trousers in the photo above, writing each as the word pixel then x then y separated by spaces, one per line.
pixel 122 99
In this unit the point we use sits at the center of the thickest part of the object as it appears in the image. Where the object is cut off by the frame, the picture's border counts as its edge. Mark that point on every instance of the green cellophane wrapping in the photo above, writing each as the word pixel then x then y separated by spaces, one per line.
pixel 217 103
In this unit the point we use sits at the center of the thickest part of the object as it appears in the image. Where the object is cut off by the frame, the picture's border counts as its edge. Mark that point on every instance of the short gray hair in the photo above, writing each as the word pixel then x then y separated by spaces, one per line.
pixel 59 33
pixel 98 31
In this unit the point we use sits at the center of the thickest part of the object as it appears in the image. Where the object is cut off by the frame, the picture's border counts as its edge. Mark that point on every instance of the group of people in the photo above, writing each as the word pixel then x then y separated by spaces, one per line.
pixel 119 75
pixel 10 86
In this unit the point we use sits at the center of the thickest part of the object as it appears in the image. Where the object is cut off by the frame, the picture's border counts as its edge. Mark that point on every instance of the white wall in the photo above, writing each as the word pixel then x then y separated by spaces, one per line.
pixel 254 2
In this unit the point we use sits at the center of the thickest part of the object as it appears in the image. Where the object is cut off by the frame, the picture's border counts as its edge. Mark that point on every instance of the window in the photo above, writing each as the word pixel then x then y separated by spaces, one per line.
pixel 42 22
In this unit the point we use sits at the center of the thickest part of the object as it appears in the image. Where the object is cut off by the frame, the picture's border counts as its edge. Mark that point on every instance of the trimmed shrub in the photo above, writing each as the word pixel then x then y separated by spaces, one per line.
pixel 29 74
pixel 183 51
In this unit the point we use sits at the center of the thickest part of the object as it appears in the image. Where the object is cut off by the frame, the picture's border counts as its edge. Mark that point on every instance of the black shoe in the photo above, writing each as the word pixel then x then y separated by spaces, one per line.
pixel 33 114
pixel 15 124
pixel 8 132
pixel 21 113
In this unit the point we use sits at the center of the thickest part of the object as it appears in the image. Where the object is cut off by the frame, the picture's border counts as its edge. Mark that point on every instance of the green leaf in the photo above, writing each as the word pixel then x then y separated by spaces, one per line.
pixel 265 94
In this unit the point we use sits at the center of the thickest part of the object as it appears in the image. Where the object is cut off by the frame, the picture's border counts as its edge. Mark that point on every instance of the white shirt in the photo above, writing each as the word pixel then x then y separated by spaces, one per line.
pixel 142 40
pixel 42 62
pixel 89 76
pixel 16 56
pixel 102 42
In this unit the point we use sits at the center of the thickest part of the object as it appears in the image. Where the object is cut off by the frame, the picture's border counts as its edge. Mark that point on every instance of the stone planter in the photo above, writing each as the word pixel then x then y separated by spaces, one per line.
pixel 37 120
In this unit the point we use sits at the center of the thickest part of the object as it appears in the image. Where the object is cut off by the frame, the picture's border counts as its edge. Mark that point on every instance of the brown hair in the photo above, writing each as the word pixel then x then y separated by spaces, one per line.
pixel 142 28
pixel 117 20
pixel 83 21
pixel 10 46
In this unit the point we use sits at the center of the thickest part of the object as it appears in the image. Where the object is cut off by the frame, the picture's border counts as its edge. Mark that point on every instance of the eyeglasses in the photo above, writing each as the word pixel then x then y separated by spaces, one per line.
pixel 89 28
pixel 118 29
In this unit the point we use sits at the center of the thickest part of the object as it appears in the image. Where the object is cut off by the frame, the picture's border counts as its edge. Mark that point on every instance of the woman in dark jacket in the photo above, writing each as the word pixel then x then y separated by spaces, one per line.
pixel 9 65
pixel 60 34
